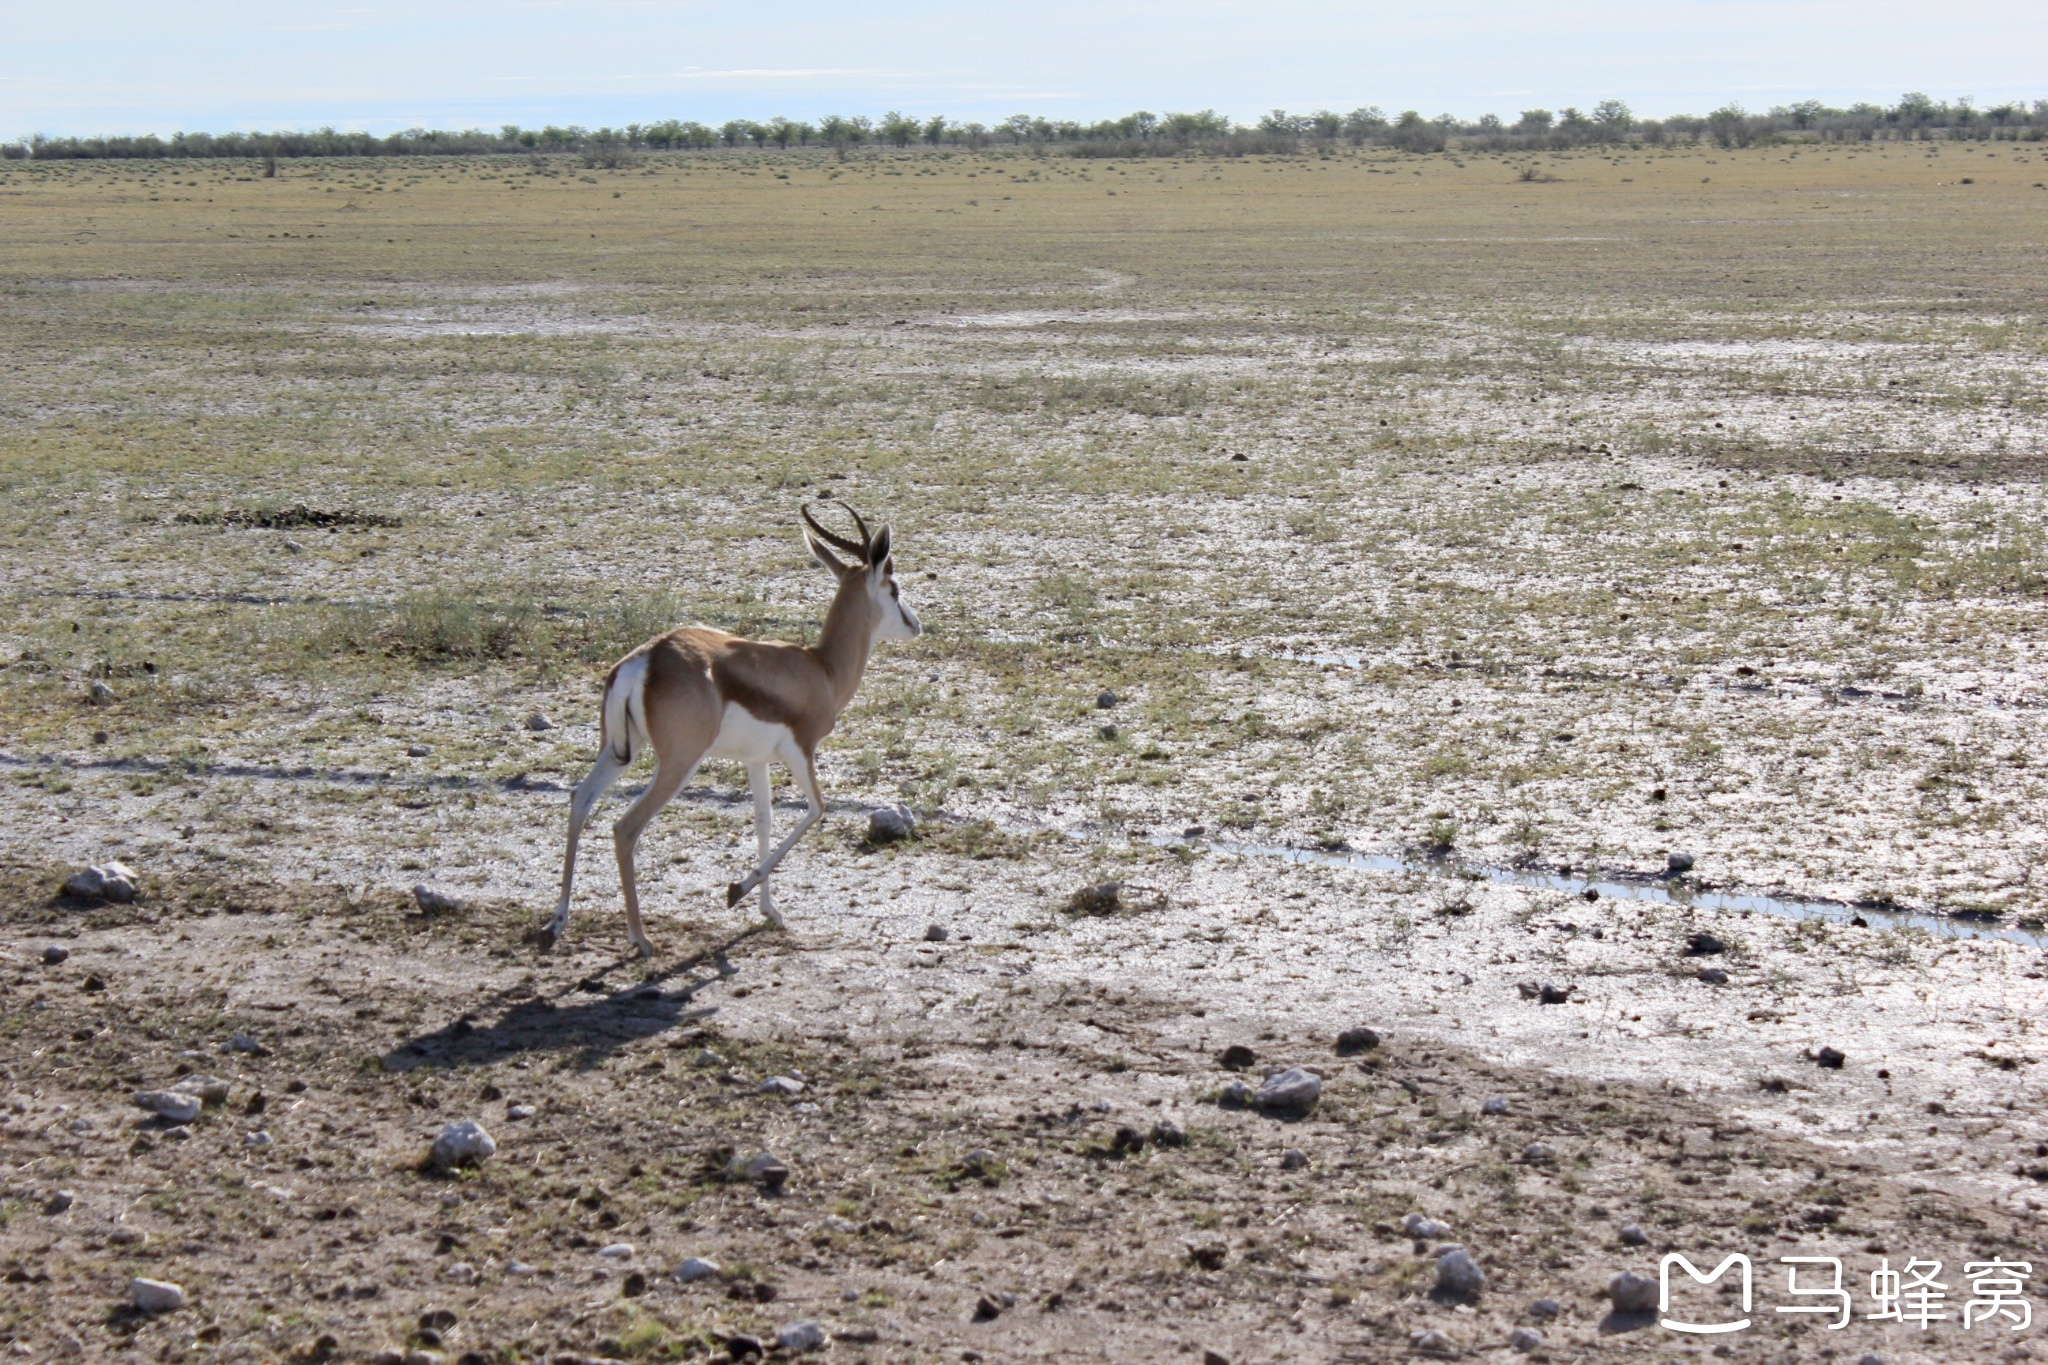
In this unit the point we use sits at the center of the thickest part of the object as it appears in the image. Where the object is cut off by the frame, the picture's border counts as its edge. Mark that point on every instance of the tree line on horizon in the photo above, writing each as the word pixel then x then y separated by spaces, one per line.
pixel 1915 117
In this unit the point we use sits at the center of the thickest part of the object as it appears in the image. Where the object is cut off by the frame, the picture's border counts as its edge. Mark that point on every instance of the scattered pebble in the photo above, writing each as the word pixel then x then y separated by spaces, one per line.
pixel 1543 1310
pixel 935 933
pixel 178 1134
pixel 740 1347
pixel 521 1269
pixel 890 825
pixel 1634 1236
pixel 55 954
pixel 419 751
pixel 1293 1091
pixel 102 881
pixel 1871 1358
pixel 462 1272
pixel 1353 1041
pixel 695 1268
pixel 538 721
pixel 156 1296
pixel 1495 1104
pixel 421 1358
pixel 1714 976
pixel 1211 1357
pixel 1704 945
pixel 1432 1342
pixel 1538 1152
pixel 617 1251
pixel 245 1042
pixel 1525 1339
pixel 1677 864
pixel 293 547
pixel 987 1309
pixel 980 1159
pixel 81 1125
pixel 261 1138
pixel 1106 699
pixel 634 1285
pixel 432 902
pixel 1831 1058
pixel 1236 1057
pixel 1103 898
pixel 462 1144
pixel 1293 1159
pixel 1458 1275
pixel 519 1111
pixel 707 1058
pixel 1632 1293
pixel 1423 1228
pixel 1237 1095
pixel 1167 1133
pixel 209 1089
pixel 782 1085
pixel 767 1170
pixel 168 1104
pixel 99 693
pixel 59 1202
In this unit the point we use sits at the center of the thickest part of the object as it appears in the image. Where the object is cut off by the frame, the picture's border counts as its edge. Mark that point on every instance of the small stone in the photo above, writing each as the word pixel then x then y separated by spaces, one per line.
pixel 55 954
pixel 1353 1041
pixel 419 751
pixel 1677 864
pixel 1554 995
pixel 462 1272
pixel 1495 1104
pixel 740 1347
pixel 422 1358
pixel 462 1144
pixel 1714 976
pixel 617 1251
pixel 258 1139
pixel 538 721
pixel 168 1104
pixel 1870 1358
pixel 1102 898
pixel 107 882
pixel 1536 1153
pixel 521 1269
pixel 99 693
pixel 125 1236
pixel 1432 1342
pixel 210 1089
pixel 695 1268
pixel 890 825
pixel 1634 1236
pixel 1423 1228
pixel 243 1042
pixel 59 1202
pixel 1525 1339
pixel 986 1309
pixel 70 1344
pixel 81 1125
pixel 181 1133
pixel 1211 1357
pixel 1237 1095
pixel 432 902
pixel 1632 1293
pixel 293 547
pixel 1831 1058
pixel 1458 1275
pixel 782 1085
pixel 1167 1133
pixel 936 933
pixel 156 1296
pixel 1236 1057
pixel 1543 1310
pixel 516 1112
pixel 1293 1091
pixel 1106 699
pixel 1293 1159
pixel 707 1058
pixel 1704 945
pixel 766 1170
pixel 1210 1256
pixel 634 1285
pixel 979 1160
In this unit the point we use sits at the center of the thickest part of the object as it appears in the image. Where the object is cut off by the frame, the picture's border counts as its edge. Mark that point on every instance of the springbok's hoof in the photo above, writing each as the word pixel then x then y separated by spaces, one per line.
pixel 545 937
pixel 644 948
pixel 733 892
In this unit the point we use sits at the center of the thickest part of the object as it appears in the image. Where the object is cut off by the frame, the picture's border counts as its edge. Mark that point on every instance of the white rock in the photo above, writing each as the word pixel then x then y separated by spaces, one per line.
pixel 1292 1091
pixel 1634 1236
pixel 243 1042
pixel 104 881
pixel 432 902
pixel 832 1222
pixel 1497 1104
pixel 1538 1152
pixel 520 1268
pixel 782 1085
pixel 1236 1095
pixel 695 1268
pixel 538 721
pixel 261 1138
pixel 99 692
pixel 462 1144
pixel 617 1251
pixel 801 1336
pixel 1525 1339
pixel 81 1125
pixel 707 1058
pixel 1633 1293
pixel 156 1296
pixel 520 1111
pixel 1432 1342
pixel 1424 1229
pixel 1458 1275
pixel 169 1104
pixel 462 1272
pixel 209 1089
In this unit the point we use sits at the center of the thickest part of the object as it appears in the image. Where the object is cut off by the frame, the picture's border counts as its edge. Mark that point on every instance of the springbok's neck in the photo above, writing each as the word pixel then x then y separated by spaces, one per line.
pixel 848 635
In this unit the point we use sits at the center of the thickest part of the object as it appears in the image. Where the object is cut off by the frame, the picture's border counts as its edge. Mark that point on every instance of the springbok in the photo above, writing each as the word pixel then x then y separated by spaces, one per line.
pixel 697 693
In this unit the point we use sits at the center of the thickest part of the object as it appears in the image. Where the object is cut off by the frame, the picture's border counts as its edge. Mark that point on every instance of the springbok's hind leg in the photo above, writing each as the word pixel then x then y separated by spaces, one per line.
pixel 668 780
pixel 764 828
pixel 799 765
pixel 609 766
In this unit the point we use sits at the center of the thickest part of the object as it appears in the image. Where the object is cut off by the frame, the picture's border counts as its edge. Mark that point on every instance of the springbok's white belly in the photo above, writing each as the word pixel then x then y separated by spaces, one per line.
pixel 747 738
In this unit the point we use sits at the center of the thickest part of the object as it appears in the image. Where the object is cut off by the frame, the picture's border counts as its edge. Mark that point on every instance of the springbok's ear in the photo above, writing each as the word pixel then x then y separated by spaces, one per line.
pixel 878 548
pixel 824 556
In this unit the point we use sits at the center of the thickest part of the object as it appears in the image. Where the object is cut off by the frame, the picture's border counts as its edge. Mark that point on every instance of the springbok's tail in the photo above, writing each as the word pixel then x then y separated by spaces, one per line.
pixel 624 726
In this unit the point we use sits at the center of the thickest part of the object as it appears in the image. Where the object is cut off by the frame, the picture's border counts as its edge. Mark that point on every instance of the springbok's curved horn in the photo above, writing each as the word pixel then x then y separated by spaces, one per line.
pixel 839 542
pixel 866 535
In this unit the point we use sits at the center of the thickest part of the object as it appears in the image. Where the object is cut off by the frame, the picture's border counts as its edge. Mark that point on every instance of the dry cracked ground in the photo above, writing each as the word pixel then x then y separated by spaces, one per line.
pixel 1419 521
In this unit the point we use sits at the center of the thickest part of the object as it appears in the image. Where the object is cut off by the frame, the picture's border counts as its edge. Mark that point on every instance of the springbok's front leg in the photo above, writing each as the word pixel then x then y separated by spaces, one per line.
pixel 799 765
pixel 764 828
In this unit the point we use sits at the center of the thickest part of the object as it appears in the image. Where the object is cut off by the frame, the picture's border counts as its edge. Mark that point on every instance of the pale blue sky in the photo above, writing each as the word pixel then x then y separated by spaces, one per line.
pixel 125 66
